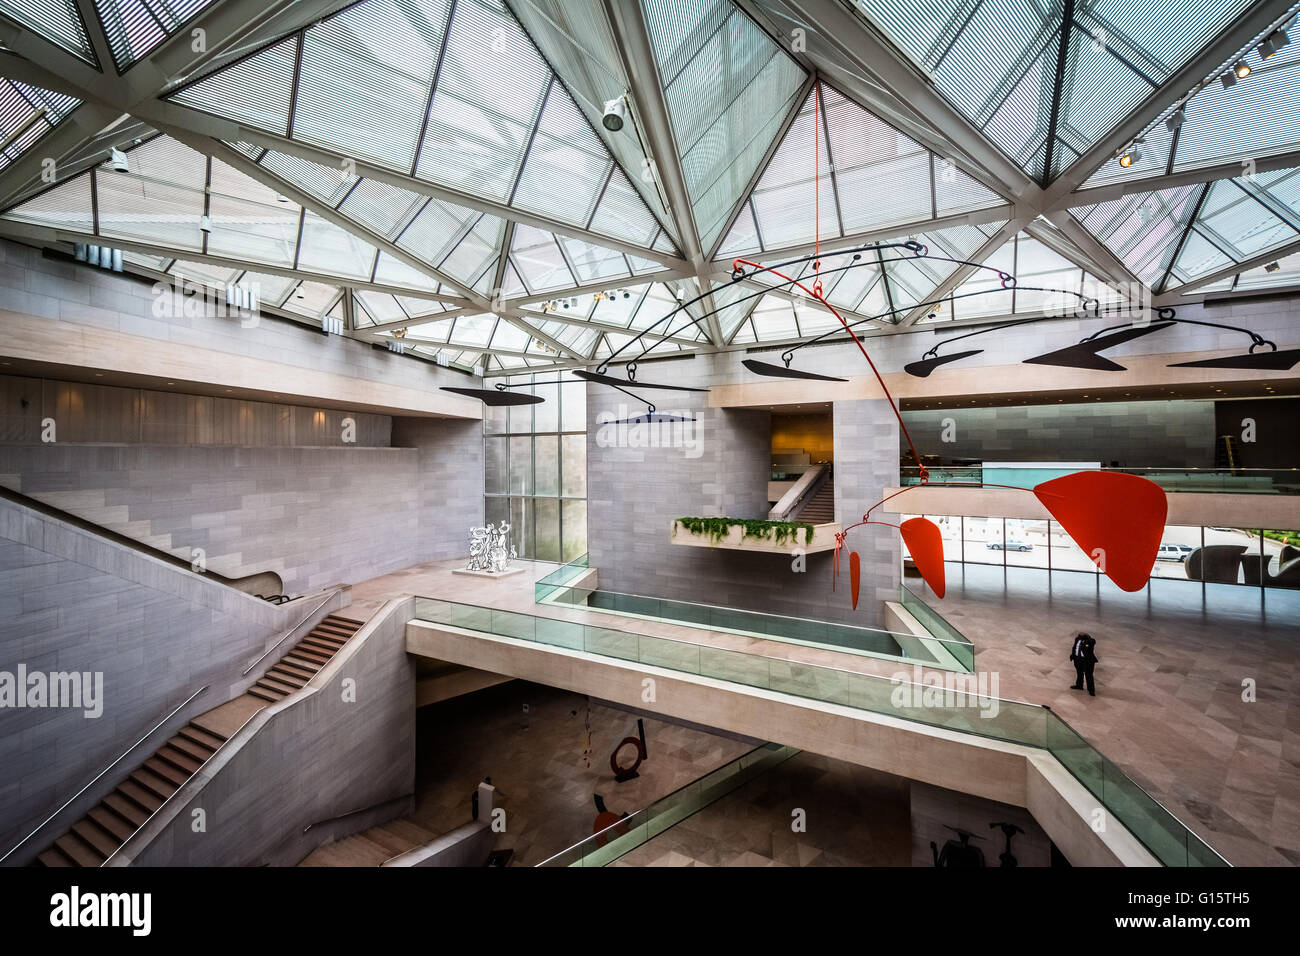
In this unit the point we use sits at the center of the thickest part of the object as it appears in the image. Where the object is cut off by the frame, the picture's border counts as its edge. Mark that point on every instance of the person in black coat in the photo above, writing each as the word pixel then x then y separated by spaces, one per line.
pixel 1084 656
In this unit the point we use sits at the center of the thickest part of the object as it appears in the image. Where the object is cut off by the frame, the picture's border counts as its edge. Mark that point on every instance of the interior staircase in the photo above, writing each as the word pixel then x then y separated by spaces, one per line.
pixel 819 508
pixel 97 835
pixel 372 847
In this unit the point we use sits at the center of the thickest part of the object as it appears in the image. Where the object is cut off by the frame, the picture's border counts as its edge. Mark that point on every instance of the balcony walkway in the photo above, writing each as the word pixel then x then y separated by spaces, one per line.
pixel 1168 711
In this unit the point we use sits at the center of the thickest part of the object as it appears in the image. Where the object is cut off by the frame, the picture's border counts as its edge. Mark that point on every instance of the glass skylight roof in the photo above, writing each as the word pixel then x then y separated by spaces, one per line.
pixel 728 87
pixel 161 202
pixel 1036 267
pixel 409 85
pixel 57 21
pixel 869 176
pixel 399 158
pixel 997 63
pixel 135 27
pixel 27 113
pixel 578 42
pixel 1176 236
pixel 1243 123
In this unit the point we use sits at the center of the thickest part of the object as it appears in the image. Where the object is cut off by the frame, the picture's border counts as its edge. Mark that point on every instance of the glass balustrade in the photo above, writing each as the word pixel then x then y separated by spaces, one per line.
pixel 944 649
pixel 955 705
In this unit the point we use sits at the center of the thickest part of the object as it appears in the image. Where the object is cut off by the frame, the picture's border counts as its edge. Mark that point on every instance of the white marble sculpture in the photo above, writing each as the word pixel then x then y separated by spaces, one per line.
pixel 490 548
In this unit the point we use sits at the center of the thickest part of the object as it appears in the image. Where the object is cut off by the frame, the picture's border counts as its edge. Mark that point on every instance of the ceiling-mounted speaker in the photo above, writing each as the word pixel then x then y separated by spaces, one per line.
pixel 600 379
pixel 1084 354
pixel 496 396
pixel 780 371
pixel 1275 361
pixel 923 367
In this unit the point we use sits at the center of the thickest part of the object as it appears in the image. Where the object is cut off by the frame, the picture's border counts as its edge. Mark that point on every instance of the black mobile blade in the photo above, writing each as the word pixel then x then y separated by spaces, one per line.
pixel 600 379
pixel 495 396
pixel 925 366
pixel 780 371
pixel 1270 361
pixel 1084 355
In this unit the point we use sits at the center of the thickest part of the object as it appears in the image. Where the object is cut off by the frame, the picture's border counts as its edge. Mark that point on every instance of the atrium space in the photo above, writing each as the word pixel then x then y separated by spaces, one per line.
pixel 541 434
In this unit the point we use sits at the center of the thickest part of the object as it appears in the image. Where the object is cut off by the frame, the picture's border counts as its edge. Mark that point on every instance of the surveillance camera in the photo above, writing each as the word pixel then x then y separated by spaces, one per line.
pixel 615 114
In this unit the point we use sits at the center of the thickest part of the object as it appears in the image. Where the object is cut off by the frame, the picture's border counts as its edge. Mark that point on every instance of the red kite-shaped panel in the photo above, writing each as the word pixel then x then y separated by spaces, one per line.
pixel 1117 519
pixel 855 576
pixel 923 540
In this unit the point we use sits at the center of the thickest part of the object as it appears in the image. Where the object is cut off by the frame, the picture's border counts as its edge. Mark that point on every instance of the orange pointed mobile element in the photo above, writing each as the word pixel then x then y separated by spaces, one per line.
pixel 855 576
pixel 1117 520
pixel 923 540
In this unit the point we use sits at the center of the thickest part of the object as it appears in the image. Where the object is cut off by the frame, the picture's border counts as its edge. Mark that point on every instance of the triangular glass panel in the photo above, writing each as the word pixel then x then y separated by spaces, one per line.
pixel 728 87
pixel 857 154
pixel 407 85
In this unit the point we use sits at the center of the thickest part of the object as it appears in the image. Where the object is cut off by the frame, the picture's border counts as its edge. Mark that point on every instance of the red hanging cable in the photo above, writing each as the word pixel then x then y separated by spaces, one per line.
pixel 817 188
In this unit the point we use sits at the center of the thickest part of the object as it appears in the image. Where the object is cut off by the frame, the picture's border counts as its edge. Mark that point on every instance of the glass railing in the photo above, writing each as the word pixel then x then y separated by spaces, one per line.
pixel 1247 481
pixel 934 622
pixel 635 829
pixel 955 706
pixel 562 575
pixel 944 650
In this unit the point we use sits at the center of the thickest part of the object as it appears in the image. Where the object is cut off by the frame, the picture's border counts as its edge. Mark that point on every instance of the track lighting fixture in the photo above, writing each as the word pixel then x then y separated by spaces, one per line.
pixel 1175 120
pixel 1273 267
pixel 1272 43
pixel 120 163
pixel 1228 79
pixel 1242 69
pixel 1129 157
pixel 205 223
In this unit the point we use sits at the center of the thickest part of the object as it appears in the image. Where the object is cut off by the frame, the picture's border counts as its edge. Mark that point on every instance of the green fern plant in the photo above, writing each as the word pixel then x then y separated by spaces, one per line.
pixel 718 528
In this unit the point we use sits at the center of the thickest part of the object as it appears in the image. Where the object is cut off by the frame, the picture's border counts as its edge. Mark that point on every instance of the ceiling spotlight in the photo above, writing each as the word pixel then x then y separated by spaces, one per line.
pixel 1242 69
pixel 1272 43
pixel 1175 120
pixel 120 163
pixel 1273 267
pixel 1129 157
pixel 615 114
pixel 281 197
pixel 1228 79
pixel 205 223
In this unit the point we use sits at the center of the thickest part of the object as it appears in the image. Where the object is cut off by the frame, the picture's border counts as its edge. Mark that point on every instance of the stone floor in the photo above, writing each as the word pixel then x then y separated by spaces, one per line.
pixel 1169 708
pixel 535 759
pixel 1168 712
pixel 854 816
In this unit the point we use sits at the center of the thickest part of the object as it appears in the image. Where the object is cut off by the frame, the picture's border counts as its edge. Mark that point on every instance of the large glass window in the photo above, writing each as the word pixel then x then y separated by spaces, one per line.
pixel 535 468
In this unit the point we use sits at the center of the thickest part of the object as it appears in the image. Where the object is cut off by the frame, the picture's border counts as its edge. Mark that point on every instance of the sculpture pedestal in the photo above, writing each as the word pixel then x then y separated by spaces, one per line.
pixel 488 574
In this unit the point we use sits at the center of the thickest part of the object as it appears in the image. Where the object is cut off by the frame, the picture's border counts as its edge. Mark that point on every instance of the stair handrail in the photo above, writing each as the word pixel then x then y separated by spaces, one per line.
pixel 133 544
pixel 328 593
pixel 168 799
pixel 809 481
pixel 149 733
